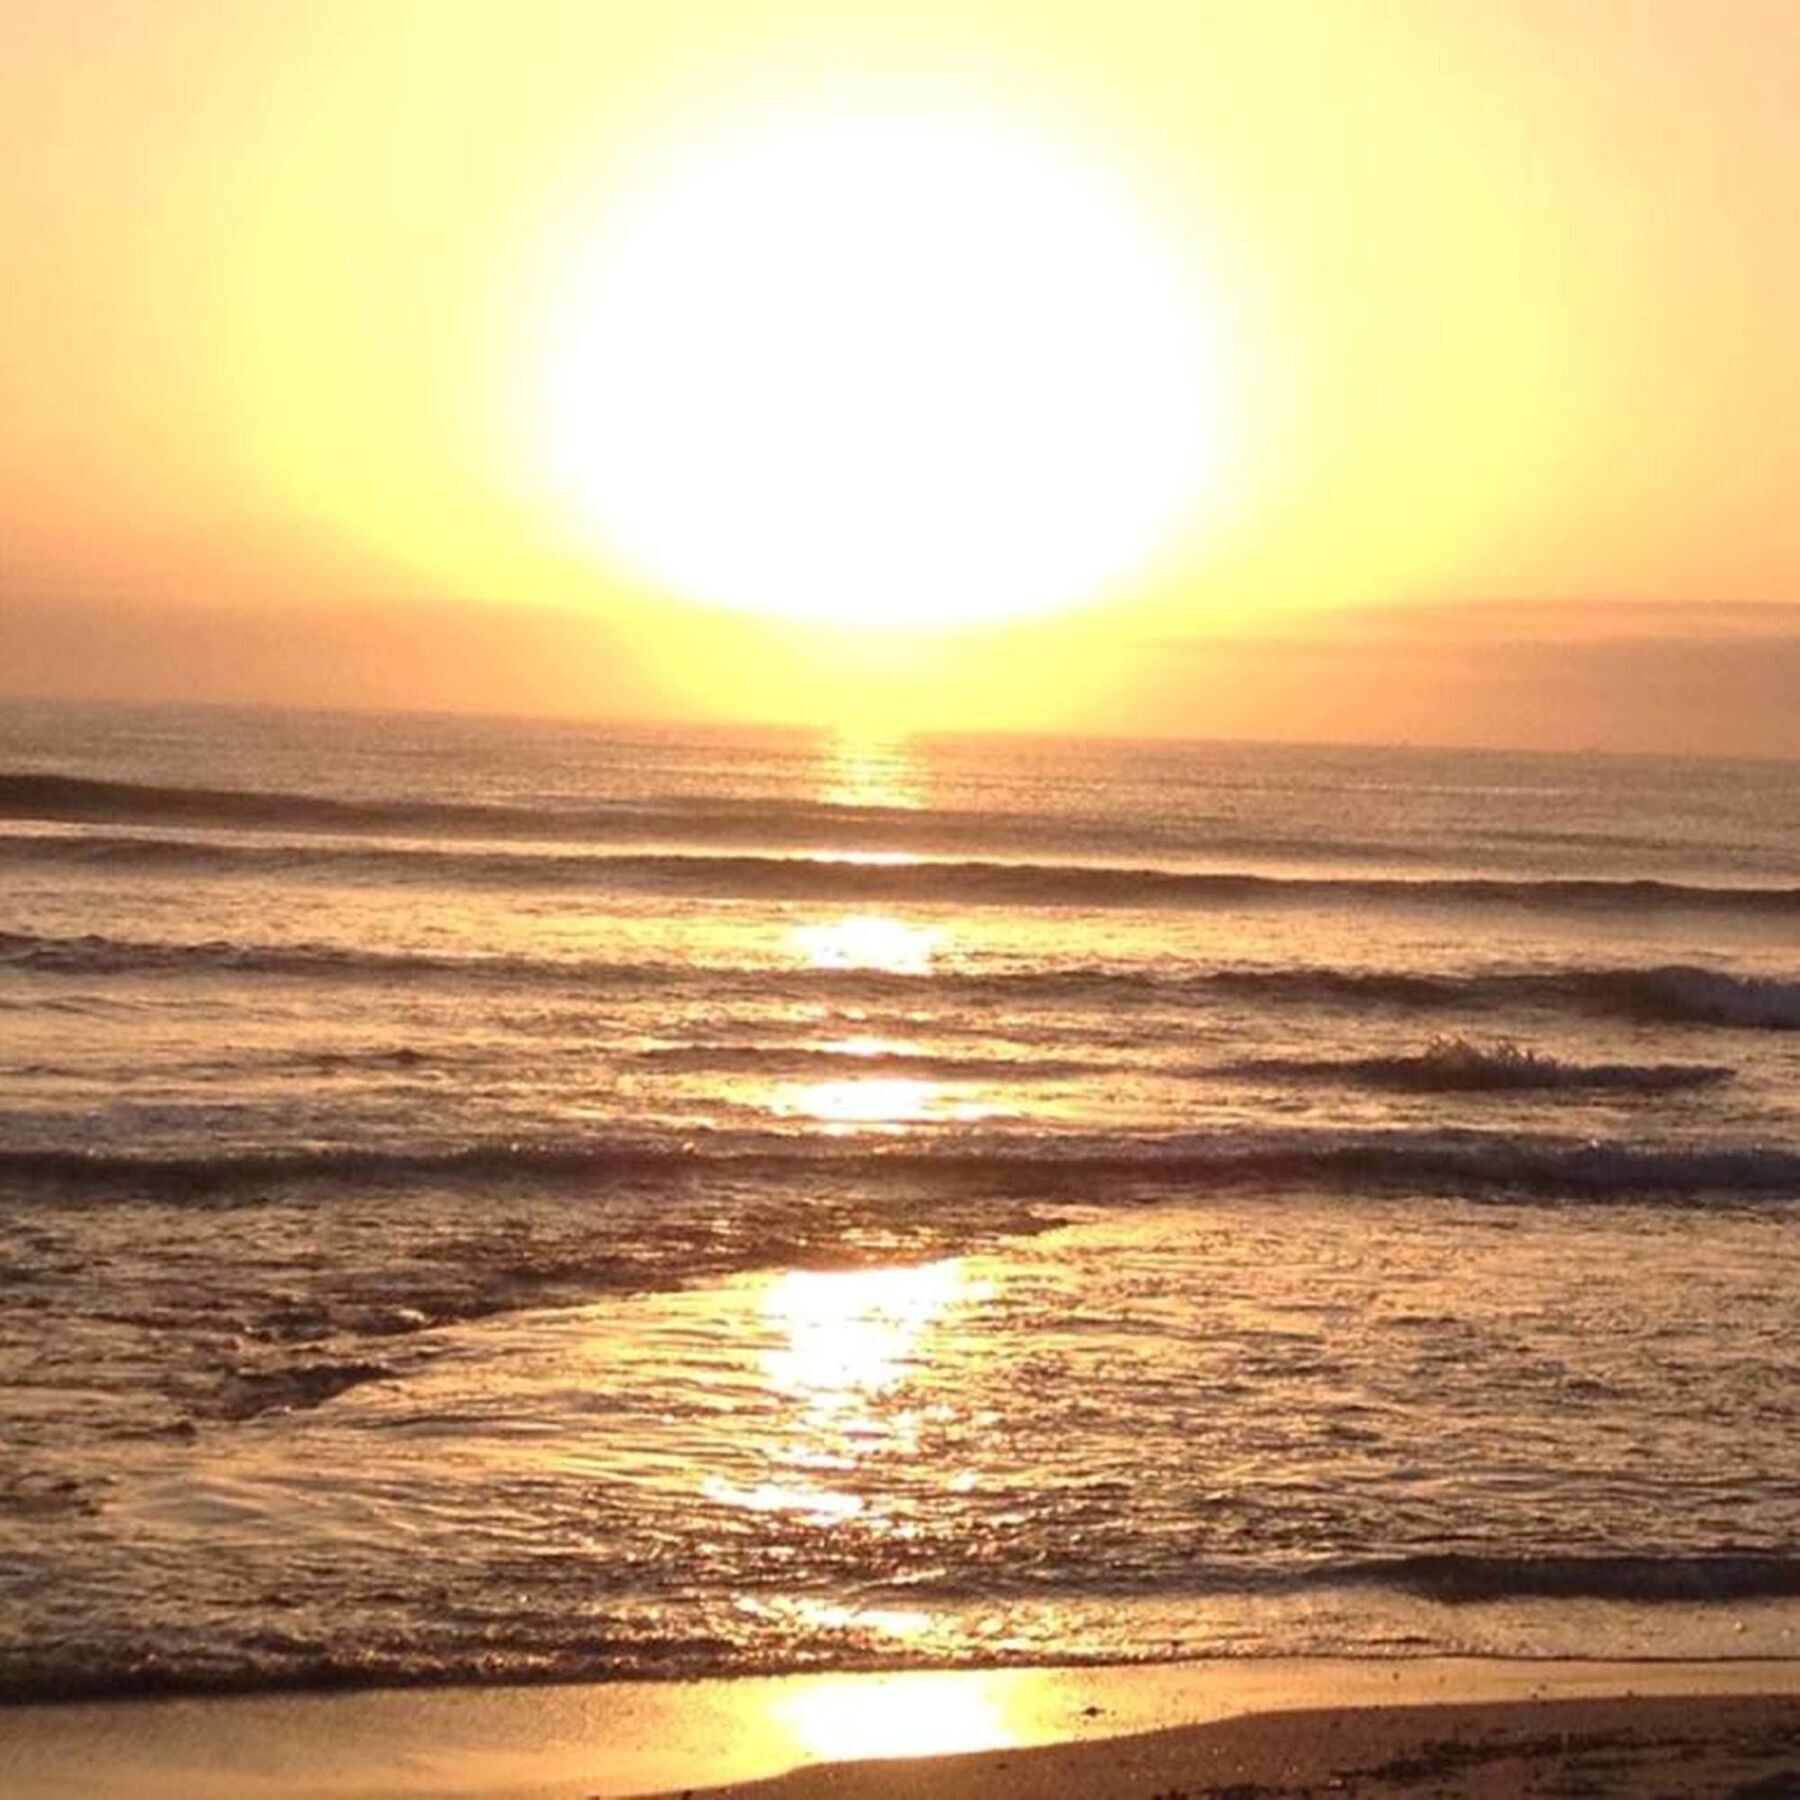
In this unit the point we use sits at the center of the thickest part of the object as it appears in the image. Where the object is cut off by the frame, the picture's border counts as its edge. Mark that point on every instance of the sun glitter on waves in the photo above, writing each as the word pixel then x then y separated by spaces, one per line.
pixel 888 363
pixel 889 1101
pixel 841 1345
pixel 875 941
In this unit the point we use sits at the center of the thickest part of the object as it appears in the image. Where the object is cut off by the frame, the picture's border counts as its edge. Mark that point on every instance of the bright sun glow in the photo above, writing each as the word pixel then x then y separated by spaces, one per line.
pixel 840 1720
pixel 883 366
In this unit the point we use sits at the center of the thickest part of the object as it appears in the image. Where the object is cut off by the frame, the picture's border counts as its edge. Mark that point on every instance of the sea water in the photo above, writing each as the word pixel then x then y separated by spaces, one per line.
pixel 490 1200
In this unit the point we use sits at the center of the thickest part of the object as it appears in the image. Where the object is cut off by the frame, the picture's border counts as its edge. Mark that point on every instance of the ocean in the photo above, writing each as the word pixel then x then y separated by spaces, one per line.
pixel 494 1200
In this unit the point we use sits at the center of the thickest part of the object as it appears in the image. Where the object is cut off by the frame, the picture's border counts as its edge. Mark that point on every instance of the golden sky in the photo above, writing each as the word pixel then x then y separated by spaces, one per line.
pixel 1331 369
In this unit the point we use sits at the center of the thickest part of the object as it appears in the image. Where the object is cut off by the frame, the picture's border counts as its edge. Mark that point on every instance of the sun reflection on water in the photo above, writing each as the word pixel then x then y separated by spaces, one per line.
pixel 846 1334
pixel 868 1048
pixel 886 1100
pixel 872 772
pixel 843 1357
pixel 866 941
pixel 873 1100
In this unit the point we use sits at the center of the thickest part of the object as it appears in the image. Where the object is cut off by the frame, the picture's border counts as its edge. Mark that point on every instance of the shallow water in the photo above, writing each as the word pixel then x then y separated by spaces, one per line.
pixel 491 1200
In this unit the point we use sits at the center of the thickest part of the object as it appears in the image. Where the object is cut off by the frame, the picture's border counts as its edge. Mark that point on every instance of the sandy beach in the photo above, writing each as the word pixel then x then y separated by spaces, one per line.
pixel 1211 1728
pixel 1721 1745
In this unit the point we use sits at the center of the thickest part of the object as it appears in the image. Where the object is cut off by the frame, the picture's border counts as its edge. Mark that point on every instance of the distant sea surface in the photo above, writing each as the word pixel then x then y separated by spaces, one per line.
pixel 493 1201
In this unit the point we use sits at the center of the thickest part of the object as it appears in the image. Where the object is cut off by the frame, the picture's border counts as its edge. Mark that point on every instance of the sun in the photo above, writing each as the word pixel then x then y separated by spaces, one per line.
pixel 883 366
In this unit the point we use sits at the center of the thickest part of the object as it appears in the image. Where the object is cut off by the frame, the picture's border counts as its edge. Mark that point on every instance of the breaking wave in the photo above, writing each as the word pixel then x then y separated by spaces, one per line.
pixel 541 1647
pixel 1056 1168
pixel 790 821
pixel 1694 1578
pixel 1674 994
pixel 899 878
pixel 1457 1065
pixel 1669 994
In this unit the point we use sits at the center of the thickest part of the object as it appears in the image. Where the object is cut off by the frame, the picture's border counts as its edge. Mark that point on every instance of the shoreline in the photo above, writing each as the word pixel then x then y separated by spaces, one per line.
pixel 1007 1732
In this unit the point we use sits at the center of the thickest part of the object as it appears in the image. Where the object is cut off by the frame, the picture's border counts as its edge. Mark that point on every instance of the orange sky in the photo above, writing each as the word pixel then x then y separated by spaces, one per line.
pixel 1501 382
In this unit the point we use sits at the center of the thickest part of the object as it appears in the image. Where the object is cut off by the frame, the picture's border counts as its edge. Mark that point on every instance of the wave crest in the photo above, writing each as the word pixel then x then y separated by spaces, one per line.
pixel 1055 1169
pixel 1674 994
pixel 850 878
pixel 1450 1065
pixel 1698 1579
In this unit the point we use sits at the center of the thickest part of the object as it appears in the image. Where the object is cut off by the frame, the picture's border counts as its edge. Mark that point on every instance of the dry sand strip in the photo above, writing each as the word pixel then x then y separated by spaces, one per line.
pixel 1737 1747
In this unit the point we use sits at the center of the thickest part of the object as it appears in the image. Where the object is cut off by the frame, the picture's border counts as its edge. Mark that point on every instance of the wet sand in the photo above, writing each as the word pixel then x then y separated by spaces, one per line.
pixel 1174 1732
